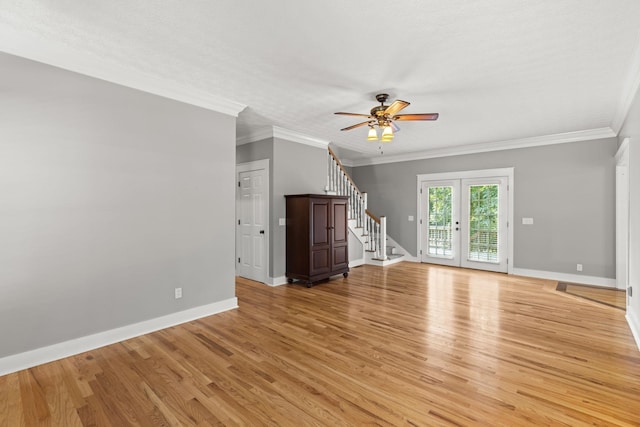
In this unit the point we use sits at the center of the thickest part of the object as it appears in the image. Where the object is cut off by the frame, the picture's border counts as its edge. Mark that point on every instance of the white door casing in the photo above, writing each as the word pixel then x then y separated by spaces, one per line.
pixel 252 220
pixel 622 217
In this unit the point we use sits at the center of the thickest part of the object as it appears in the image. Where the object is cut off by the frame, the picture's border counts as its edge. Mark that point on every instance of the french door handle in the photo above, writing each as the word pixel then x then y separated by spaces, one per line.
pixel 261 231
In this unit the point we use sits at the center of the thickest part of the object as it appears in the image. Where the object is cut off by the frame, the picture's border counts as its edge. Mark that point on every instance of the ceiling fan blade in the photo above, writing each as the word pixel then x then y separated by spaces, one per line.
pixel 357 126
pixel 353 114
pixel 394 127
pixel 430 116
pixel 395 107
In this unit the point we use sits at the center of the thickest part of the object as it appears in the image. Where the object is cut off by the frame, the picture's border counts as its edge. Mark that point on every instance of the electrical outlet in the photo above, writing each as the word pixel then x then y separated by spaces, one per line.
pixel 178 293
pixel 579 267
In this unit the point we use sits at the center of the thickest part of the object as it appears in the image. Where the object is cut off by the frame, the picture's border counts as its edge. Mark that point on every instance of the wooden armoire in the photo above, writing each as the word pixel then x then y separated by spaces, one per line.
pixel 317 237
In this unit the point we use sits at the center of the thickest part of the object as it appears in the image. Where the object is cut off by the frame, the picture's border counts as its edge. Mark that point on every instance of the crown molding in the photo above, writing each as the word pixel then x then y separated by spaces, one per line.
pixel 64 57
pixel 536 141
pixel 255 135
pixel 278 132
pixel 298 137
pixel 630 89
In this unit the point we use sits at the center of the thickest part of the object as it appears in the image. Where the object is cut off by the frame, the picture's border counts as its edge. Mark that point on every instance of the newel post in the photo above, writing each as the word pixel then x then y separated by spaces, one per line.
pixel 383 237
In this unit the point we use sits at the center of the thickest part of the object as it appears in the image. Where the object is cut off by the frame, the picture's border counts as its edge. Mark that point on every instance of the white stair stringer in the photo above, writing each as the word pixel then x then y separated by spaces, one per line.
pixel 394 255
pixel 357 244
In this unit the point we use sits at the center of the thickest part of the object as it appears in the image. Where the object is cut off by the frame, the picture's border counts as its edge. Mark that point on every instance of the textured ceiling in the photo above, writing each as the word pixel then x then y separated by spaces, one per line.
pixel 495 70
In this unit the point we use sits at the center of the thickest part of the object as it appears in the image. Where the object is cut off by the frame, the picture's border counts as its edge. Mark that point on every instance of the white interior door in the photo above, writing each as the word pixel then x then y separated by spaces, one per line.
pixel 252 213
pixel 464 223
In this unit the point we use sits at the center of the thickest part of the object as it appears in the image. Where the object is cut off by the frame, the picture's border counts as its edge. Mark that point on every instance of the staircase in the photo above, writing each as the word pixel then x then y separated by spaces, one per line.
pixel 370 230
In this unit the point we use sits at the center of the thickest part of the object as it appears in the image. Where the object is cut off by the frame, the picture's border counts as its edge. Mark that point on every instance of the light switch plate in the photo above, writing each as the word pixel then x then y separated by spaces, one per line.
pixel 410 217
pixel 282 221
pixel 527 221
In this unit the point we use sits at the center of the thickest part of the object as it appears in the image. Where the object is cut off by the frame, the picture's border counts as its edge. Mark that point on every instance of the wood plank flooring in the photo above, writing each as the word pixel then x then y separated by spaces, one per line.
pixel 613 297
pixel 409 344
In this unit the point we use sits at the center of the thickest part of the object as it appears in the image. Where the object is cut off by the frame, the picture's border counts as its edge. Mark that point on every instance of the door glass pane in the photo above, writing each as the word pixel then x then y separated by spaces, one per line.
pixel 439 230
pixel 483 223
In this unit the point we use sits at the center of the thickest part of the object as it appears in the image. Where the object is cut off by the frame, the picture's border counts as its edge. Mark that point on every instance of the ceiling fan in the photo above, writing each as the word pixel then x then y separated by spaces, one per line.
pixel 384 116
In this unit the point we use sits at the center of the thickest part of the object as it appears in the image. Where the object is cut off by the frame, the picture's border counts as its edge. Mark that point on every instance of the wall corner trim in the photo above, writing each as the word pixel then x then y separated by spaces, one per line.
pixel 39 356
pixel 634 325
pixel 277 281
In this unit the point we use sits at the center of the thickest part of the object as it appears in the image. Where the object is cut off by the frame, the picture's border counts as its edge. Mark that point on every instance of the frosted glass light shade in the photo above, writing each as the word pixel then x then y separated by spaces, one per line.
pixel 387 134
pixel 373 135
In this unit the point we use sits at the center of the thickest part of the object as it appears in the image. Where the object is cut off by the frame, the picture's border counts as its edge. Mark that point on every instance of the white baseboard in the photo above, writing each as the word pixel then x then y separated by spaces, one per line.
pixel 29 359
pixel 634 325
pixel 277 281
pixel 564 277
pixel 356 263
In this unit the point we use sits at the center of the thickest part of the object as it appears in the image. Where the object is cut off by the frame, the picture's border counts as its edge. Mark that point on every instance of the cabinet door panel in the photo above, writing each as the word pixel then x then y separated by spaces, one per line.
pixel 340 257
pixel 339 221
pixel 320 261
pixel 320 227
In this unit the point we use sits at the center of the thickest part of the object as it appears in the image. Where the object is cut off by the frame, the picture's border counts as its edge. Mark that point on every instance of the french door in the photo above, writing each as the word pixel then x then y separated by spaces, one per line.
pixel 464 222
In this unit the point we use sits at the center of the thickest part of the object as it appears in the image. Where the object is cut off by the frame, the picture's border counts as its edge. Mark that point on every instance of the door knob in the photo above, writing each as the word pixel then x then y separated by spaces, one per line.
pixel 261 231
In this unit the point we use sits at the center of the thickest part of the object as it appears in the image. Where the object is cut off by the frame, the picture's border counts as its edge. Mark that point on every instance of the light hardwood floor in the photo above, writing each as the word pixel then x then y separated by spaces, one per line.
pixel 409 344
pixel 613 297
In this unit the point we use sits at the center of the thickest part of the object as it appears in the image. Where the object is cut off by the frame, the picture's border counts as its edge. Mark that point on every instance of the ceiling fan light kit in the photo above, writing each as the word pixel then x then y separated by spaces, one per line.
pixel 383 116
pixel 387 134
pixel 373 134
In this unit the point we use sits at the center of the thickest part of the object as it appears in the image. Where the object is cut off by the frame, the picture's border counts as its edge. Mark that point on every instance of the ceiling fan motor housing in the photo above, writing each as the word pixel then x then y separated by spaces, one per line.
pixel 378 111
pixel 382 97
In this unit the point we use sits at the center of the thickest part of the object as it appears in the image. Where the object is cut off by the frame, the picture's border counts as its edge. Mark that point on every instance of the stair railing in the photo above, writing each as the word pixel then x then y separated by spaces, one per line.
pixel 375 229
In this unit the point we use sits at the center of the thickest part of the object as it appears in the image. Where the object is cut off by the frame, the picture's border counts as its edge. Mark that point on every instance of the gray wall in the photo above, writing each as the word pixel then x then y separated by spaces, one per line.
pixel 110 198
pixel 259 150
pixel 299 169
pixel 294 168
pixel 569 190
pixel 631 129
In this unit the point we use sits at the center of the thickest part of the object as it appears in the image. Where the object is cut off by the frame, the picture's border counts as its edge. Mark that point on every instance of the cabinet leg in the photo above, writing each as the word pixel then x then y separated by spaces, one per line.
pixel 345 275
pixel 289 280
pixel 309 284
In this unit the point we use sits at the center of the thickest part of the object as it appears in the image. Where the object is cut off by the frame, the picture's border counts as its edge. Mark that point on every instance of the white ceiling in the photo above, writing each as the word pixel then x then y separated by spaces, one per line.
pixel 499 72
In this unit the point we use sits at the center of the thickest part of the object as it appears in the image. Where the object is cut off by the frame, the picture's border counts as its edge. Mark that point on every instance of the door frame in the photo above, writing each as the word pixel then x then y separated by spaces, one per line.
pixel 247 167
pixel 622 216
pixel 483 173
